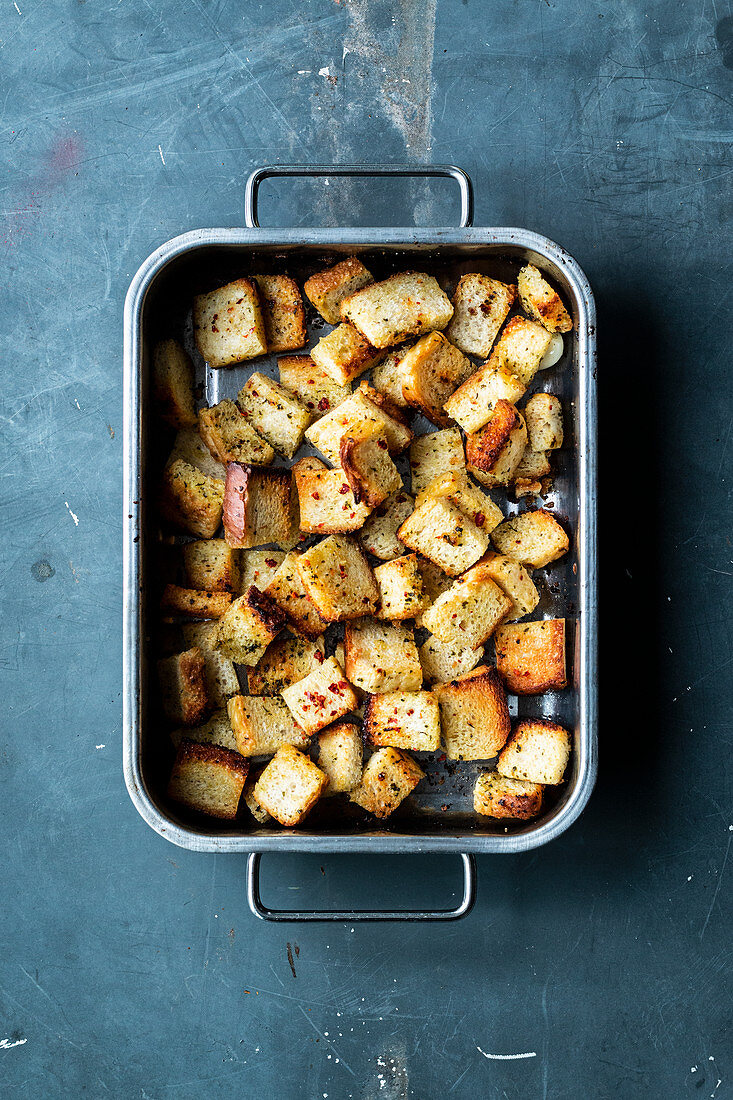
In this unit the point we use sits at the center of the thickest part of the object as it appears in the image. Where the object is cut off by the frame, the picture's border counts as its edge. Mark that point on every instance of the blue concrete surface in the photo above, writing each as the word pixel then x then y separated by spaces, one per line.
pixel 132 969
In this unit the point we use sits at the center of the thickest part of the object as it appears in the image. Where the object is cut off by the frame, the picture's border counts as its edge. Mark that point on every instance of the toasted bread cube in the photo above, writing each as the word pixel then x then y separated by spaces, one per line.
pixel 344 354
pixel 532 466
pixel 431 370
pixel 321 697
pixel 457 488
pixel 388 778
pixel 543 414
pixel 469 611
pixel 190 603
pixel 434 583
pixel 211 565
pixel 285 661
pixel 379 533
pixel 183 687
pixel 315 389
pixel 400 589
pixel 189 447
pixel 262 725
pixel 260 507
pixel 365 460
pixel 287 590
pixel 228 324
pixel 290 786
pixel 531 656
pixel 403 305
pixel 274 413
pixel 496 796
pixel 480 308
pixel 191 499
pixel 361 407
pixel 474 714
pixel 473 402
pixel 527 487
pixel 521 348
pixel 381 656
pixel 327 505
pixel 283 314
pixel 532 538
pixel 208 778
pixel 259 813
pixel 327 289
pixel 443 661
pixel 537 751
pixel 338 580
pixel 541 302
pixel 258 567
pixel 443 534
pixel 230 438
pixel 403 720
pixel 216 730
pixel 173 385
pixel 248 627
pixel 483 446
pixel 340 756
pixel 221 675
pixel 435 454
pixel 515 581
pixel 387 376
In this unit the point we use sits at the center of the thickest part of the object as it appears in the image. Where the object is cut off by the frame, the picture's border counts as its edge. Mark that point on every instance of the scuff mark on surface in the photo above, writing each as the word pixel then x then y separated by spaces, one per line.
pixel 8 1044
pixel 72 514
pixel 291 959
pixel 507 1057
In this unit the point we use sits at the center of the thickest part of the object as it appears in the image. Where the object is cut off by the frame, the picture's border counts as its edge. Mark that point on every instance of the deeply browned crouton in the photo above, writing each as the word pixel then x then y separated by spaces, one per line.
pixel 496 796
pixel 531 656
pixel 283 314
pixel 474 714
pixel 183 687
pixel 208 778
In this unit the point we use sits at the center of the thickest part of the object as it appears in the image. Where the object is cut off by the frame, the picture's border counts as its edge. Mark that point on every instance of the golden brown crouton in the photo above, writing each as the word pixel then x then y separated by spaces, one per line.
pixel 283 314
pixel 458 488
pixel 541 302
pixel 191 499
pixel 443 534
pixel 404 305
pixel 183 687
pixel 443 661
pixel 474 715
pixel 211 565
pixel 258 567
pixel 387 376
pixel 321 697
pixel 327 289
pixel 290 786
pixel 189 447
pixel 537 751
pixel 400 589
pixel 496 796
pixel 287 590
pixel 208 778
pixel 274 413
pixel 388 778
pixel 230 438
pixel 472 403
pixel 469 611
pixel 430 371
pixel 228 324
pixel 533 538
pixel 260 507
pixel 221 675
pixel 521 348
pixel 494 453
pixel 379 533
pixel 435 454
pixel 362 407
pixel 326 501
pixel 364 458
pixel 189 603
pixel 173 385
pixel 312 386
pixel 248 627
pixel 531 656
pixel 344 354
pixel 262 725
pixel 340 755
pixel 285 661
pixel 480 308
pixel 338 580
pixel 381 656
pixel 403 720
pixel 514 580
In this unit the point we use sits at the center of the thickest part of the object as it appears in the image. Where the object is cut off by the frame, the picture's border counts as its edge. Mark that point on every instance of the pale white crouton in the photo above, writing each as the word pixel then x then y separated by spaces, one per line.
pixel 430 371
pixel 537 751
pixel 320 698
pixel 362 407
pixel 387 376
pixel 258 567
pixel 287 590
pixel 381 656
pixel 290 786
pixel 326 500
pixel 388 778
pixel 285 661
pixel 379 533
pixel 458 488
pixel 400 589
pixel 469 611
pixel 443 534
pixel 228 324
pixel 312 386
pixel 401 306
pixel 340 754
pixel 434 454
pixel 443 661
pixel 344 354
pixel 403 720
pixel 521 348
pixel 338 580
pixel 472 403
pixel 480 308
pixel 274 413
pixel 543 413
pixel 533 538
pixel 515 581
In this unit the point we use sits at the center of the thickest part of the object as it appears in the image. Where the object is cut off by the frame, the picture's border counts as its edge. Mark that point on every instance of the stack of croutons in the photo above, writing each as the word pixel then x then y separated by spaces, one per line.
pixel 421 577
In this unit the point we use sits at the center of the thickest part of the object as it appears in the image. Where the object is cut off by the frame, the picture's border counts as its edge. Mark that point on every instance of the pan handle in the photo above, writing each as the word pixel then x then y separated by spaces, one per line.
pixel 255 902
pixel 363 170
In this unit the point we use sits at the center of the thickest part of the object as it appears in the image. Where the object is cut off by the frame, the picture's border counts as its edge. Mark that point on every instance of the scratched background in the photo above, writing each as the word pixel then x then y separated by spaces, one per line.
pixel 130 968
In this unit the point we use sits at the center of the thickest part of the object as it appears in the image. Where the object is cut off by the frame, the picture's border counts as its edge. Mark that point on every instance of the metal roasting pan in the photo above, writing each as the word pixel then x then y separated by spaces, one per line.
pixel 439 816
